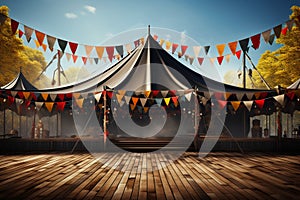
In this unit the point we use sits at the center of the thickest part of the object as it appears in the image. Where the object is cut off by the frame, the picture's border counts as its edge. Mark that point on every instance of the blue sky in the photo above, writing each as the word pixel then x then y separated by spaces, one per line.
pixel 208 22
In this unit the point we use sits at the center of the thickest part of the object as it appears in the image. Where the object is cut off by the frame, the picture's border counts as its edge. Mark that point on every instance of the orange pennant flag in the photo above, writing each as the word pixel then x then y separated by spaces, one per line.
pixel 227 57
pixel 119 97
pixel 44 46
pixel 183 49
pixel 26 95
pixel 79 102
pixel 132 106
pixel 220 48
pixel 76 95
pixel 232 47
pixel 235 104
pixel 146 109
pixel 49 106
pixel 37 44
pixel 175 101
pixel 122 92
pixel 147 93
pixel 161 42
pixel 74 58
pixel 134 100
pixel 45 96
pixel 99 51
pixel 40 37
pixel 88 49
pixel 168 45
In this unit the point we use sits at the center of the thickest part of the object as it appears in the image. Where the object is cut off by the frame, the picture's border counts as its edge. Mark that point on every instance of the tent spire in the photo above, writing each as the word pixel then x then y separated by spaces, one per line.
pixel 148 30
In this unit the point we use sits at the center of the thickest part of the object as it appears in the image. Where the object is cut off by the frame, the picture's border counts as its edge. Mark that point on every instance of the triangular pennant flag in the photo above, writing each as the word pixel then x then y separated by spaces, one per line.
pixel 235 104
pixel 227 95
pixel 121 103
pixel 289 24
pixel 220 59
pixel 44 46
pixel 79 102
pixel 132 107
pixel 248 105
pixel 280 99
pixel 39 105
pixel 61 97
pixel 196 50
pixel 40 37
pixel 186 57
pixel 28 33
pixel 119 98
pixel 14 93
pixel 128 48
pixel 158 101
pixel 244 44
pixel 155 93
pixel 110 52
pixel 172 92
pixel 277 30
pixel 220 48
pixel 206 49
pixel 155 37
pixel 183 49
pixel 249 95
pixel 232 47
pixel 168 45
pixel 212 60
pixel 127 99
pixel 84 59
pixel 73 47
pixel 143 101
pixel 68 55
pixel 174 47
pixel 191 59
pixel 60 105
pixel 142 40
pixel 284 31
pixel 239 96
pixel 227 57
pixel 255 41
pixel 135 100
pixel 200 60
pixel 74 58
pixel 290 95
pixel 122 92
pixel 204 100
pixel 20 32
pixel 49 106
pixel 76 95
pixel 88 49
pixel 266 35
pixel 161 42
pixel 53 96
pixel 175 101
pixel 222 104
pixel 45 96
pixel 167 100
pixel 188 96
pixel 99 51
pixel 91 60
pixel 272 38
pixel 164 93
pixel 26 95
pixel 96 60
pixel 238 54
pixel 147 93
pixel 14 26
pixel 51 40
pixel 120 50
pixel 257 95
pixel 37 44
pixel 98 96
pixel 11 100
pixel 62 44
pixel 136 43
pixel 110 94
pixel 20 94
pixel 146 109
pixel 260 103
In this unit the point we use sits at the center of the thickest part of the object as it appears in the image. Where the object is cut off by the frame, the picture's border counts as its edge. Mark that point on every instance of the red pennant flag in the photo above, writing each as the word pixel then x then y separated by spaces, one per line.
pixel 222 104
pixel 183 49
pixel 110 52
pixel 109 94
pixel 172 92
pixel 291 95
pixel 174 47
pixel 260 103
pixel 84 59
pixel 136 43
pixel 20 94
pixel 155 93
pixel 74 58
pixel 200 60
pixel 238 54
pixel 284 31
pixel 40 37
pixel 220 59
pixel 155 37
pixel 14 26
pixel 20 33
pixel 73 47
pixel 60 105
pixel 61 96
pixel 11 100
pixel 255 41
pixel 263 95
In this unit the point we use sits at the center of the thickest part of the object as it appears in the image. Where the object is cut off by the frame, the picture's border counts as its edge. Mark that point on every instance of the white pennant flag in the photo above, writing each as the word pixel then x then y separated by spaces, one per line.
pixel 248 104
pixel 39 105
pixel 127 99
pixel 164 93
pixel 196 50
pixel 188 96
pixel 98 96
pixel 128 48
pixel 53 97
pixel 13 93
pixel 121 103
pixel 239 96
pixel 143 101
pixel 280 99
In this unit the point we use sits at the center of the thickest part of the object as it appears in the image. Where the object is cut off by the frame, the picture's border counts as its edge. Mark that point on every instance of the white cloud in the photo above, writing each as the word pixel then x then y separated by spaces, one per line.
pixel 70 15
pixel 82 13
pixel 90 9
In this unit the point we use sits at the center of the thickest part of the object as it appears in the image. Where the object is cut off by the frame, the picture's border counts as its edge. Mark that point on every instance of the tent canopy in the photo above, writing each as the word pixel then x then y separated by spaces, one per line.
pixel 19 83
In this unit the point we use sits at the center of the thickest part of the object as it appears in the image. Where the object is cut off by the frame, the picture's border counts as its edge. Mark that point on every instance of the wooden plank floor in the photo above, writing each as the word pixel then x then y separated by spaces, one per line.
pixel 150 176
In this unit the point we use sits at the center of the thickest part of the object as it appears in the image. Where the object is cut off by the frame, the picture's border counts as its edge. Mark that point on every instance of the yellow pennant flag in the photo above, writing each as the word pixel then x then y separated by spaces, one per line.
pixel 146 109
pixel 167 100
pixel 168 45
pixel 79 102
pixel 122 92
pixel 161 42
pixel 45 96
pixel 235 105
pixel 99 51
pixel 119 98
pixel 132 106
pixel 220 48
pixel 76 95
pixel 147 93
pixel 49 106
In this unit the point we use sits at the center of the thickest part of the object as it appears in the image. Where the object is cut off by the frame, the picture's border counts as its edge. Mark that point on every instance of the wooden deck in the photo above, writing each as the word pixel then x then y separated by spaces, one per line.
pixel 140 176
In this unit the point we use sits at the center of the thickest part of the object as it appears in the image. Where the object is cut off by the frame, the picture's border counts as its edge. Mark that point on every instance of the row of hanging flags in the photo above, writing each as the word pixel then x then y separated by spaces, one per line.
pixel 144 100
pixel 117 52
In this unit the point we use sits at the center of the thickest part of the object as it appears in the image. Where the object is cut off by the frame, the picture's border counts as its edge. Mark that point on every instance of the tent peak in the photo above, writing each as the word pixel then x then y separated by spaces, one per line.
pixel 148 30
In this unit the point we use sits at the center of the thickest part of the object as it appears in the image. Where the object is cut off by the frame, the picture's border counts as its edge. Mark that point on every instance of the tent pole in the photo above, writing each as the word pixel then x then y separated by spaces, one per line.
pixel 12 120
pixel 104 117
pixel 20 124
pixel 244 69
pixel 57 125
pixel 58 68
pixel 4 122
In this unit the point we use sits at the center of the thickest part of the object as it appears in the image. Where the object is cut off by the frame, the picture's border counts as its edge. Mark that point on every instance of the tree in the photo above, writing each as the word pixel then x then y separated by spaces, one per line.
pixel 235 78
pixel 14 55
pixel 282 66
